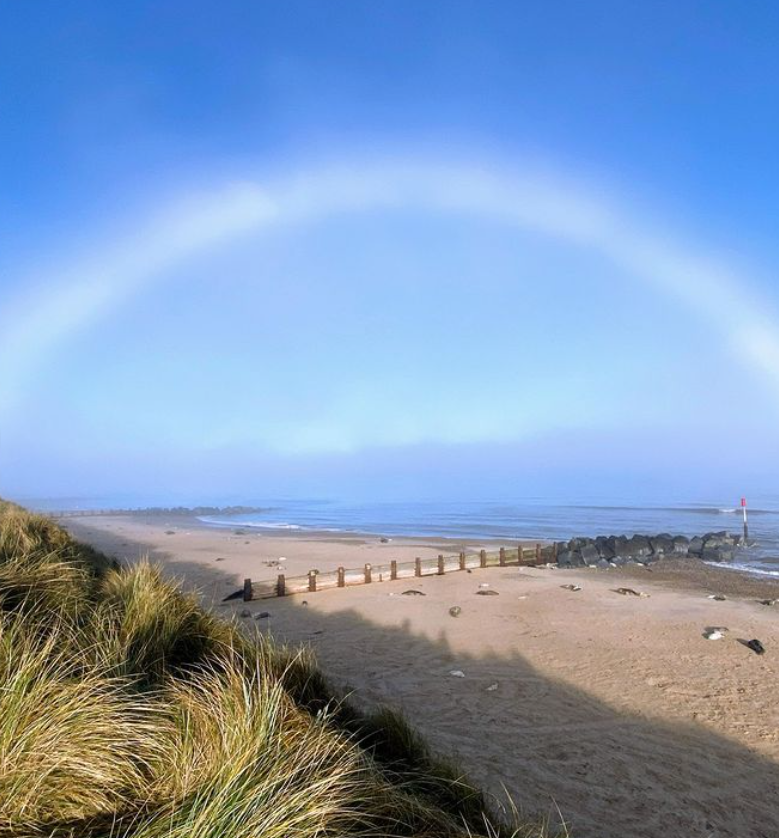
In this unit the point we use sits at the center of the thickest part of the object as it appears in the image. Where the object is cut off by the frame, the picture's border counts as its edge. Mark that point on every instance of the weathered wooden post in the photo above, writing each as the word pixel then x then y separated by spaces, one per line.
pixel 341 578
pixel 394 569
pixel 462 561
pixel 482 558
pixel 417 566
pixel 281 586
pixel 247 590
pixel 312 581
pixel 367 573
pixel 440 565
pixel 538 553
pixel 502 557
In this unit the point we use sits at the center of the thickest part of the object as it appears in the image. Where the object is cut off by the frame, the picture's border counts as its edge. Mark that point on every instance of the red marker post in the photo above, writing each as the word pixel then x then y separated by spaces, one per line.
pixel 746 526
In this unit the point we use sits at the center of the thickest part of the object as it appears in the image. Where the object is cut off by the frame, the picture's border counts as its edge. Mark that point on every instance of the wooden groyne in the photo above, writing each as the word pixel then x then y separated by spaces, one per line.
pixel 314 580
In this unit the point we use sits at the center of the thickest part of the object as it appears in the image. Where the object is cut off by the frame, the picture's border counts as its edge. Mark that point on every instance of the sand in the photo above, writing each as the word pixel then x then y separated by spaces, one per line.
pixel 613 709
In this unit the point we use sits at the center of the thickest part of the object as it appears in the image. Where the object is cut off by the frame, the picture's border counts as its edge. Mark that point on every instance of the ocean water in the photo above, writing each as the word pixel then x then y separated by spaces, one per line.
pixel 540 518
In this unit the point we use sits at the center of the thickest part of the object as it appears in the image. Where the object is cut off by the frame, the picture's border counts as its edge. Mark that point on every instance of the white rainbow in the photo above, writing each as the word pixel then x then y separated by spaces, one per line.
pixel 59 306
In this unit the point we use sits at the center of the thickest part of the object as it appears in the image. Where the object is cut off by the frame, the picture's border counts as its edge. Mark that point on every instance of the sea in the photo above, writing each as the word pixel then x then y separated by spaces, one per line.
pixel 540 518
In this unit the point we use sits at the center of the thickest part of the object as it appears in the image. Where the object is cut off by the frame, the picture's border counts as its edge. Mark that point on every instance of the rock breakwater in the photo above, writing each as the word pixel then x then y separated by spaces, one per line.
pixel 605 551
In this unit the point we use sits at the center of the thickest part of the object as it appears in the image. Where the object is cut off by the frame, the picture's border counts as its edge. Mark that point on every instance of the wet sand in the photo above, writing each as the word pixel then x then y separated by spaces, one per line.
pixel 613 708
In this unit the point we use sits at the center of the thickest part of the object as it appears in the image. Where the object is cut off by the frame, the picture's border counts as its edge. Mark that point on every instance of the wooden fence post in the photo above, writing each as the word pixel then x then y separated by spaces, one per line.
pixel 538 553
pixel 367 573
pixel 417 566
pixel 462 561
pixel 482 558
pixel 312 581
pixel 440 565
pixel 502 557
pixel 247 590
pixel 341 578
pixel 281 587
pixel 393 569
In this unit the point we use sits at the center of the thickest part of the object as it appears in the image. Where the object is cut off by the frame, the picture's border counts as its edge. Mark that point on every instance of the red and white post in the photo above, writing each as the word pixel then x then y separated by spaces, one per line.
pixel 746 524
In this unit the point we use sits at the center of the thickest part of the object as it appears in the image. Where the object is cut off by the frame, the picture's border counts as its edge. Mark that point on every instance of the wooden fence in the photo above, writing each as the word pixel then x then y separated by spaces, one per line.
pixel 343 578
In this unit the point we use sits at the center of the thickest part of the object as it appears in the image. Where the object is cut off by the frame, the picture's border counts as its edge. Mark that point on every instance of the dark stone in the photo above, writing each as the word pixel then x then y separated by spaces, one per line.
pixel 662 544
pixel 637 547
pixel 617 544
pixel 717 554
pixel 576 544
pixel 719 539
pixel 603 564
pixel 695 547
pixel 589 553
pixel 605 547
pixel 681 544
pixel 568 558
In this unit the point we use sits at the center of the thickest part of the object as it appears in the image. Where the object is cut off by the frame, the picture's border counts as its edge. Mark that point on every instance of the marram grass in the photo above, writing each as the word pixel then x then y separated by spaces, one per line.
pixel 127 711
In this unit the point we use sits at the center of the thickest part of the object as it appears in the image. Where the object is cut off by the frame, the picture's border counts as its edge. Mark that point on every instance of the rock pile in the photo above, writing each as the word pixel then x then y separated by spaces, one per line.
pixel 620 549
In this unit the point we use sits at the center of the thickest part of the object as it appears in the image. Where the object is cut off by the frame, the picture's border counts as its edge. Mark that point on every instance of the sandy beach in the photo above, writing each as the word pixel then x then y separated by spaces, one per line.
pixel 614 709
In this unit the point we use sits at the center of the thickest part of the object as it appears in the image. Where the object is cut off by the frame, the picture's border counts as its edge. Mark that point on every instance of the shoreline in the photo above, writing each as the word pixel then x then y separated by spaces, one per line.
pixel 692 572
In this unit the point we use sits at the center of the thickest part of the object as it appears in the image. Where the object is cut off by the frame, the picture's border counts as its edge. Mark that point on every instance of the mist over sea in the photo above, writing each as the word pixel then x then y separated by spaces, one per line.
pixel 473 520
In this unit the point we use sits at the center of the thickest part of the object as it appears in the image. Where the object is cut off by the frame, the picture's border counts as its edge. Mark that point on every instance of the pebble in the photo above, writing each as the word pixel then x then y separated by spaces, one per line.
pixel 457 673
pixel 455 611
pixel 713 635
pixel 487 593
pixel 413 593
pixel 571 587
pixel 492 688
pixel 263 615
pixel 718 597
pixel 245 613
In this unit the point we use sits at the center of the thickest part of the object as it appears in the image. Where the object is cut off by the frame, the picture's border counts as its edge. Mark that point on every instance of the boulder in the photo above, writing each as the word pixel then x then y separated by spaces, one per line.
pixel 605 547
pixel 576 544
pixel 681 544
pixel 719 539
pixel 662 544
pixel 589 553
pixel 570 558
pixel 717 554
pixel 637 547
pixel 695 547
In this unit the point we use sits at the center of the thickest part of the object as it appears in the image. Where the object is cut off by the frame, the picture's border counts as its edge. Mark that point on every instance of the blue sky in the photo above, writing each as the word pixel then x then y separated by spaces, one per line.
pixel 389 250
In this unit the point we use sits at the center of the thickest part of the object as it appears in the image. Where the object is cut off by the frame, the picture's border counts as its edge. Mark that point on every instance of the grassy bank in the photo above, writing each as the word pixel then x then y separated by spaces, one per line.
pixel 128 711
